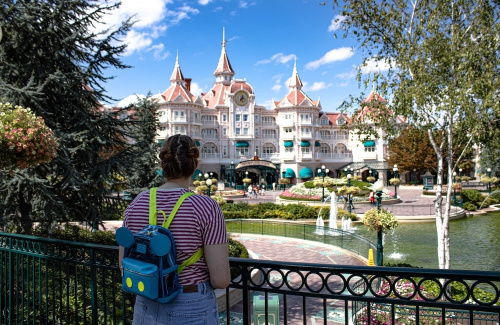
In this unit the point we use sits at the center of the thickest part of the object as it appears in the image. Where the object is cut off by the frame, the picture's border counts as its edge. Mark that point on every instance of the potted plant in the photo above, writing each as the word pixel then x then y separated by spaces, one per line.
pixel 370 179
pixel 395 181
pixel 380 220
pixel 25 139
pixel 284 181
pixel 247 180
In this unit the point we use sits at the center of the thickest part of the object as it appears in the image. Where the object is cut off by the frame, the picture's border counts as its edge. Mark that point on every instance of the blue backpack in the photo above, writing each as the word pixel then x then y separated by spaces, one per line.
pixel 149 266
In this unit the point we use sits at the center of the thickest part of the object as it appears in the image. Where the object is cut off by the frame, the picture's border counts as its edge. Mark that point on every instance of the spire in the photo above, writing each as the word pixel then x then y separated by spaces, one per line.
pixel 295 81
pixel 177 73
pixel 224 66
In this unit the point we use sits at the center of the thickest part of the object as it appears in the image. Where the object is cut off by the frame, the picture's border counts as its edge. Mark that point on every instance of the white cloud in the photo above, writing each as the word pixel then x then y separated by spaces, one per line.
pixel 147 12
pixel 268 104
pixel 278 58
pixel 347 75
pixel 159 51
pixel 374 65
pixel 196 89
pixel 317 86
pixel 137 41
pixel 336 21
pixel 243 4
pixel 204 2
pixel 131 99
pixel 276 87
pixel 334 55
pixel 344 84
pixel 181 13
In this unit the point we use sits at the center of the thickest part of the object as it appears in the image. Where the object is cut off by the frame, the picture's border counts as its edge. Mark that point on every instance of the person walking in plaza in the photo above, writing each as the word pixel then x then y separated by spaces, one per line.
pixel 274 186
pixel 371 197
pixel 263 190
pixel 198 223
pixel 250 191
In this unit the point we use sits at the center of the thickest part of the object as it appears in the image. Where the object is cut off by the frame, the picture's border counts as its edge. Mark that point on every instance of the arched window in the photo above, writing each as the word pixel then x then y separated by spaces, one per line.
pixel 340 148
pixel 268 149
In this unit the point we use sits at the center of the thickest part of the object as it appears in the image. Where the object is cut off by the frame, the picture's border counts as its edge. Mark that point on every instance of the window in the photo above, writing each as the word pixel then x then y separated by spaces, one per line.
pixel 224 118
pixel 324 121
pixel 245 117
pixel 257 119
pixel 179 116
pixel 224 131
pixel 245 131
pixel 242 151
pixel 162 128
pixel 288 130
pixel 305 149
pixel 340 148
pixel 224 150
pixel 370 149
pixel 256 150
pixel 305 130
pixel 324 148
pixel 161 113
pixel 305 118
pixel 238 117
pixel 237 131
pixel 209 148
pixel 267 149
pixel 288 116
pixel 256 132
pixel 340 121
pixel 179 129
pixel 288 149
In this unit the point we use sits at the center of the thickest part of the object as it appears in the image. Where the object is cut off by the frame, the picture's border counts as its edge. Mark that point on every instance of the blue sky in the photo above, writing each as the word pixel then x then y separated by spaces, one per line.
pixel 265 37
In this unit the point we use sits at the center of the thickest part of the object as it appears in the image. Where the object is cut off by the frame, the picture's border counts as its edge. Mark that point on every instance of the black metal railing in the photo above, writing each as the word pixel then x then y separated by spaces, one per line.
pixel 47 281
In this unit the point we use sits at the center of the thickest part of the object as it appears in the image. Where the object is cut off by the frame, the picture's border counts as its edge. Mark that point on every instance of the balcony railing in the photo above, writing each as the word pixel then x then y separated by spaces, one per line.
pixel 334 155
pixel 268 136
pixel 47 281
pixel 332 136
pixel 210 122
pixel 275 155
pixel 196 120
pixel 268 123
pixel 210 136
pixel 179 119
pixel 210 155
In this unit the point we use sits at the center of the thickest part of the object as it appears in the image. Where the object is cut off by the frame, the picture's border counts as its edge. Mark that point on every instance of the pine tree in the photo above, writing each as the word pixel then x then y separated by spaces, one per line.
pixel 145 172
pixel 53 62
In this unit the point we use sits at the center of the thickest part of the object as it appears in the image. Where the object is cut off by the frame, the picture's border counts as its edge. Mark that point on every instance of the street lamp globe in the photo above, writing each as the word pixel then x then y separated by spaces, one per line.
pixel 206 175
pixel 327 171
pixel 349 176
pixel 209 182
pixel 323 167
pixel 454 174
pixel 489 170
pixel 460 170
pixel 319 170
pixel 378 186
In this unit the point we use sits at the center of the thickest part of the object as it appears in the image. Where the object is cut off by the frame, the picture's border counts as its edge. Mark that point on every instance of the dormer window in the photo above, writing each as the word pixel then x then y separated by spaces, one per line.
pixel 340 121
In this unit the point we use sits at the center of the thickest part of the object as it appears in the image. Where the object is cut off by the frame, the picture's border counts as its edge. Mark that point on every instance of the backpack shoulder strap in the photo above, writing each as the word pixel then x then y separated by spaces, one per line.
pixel 166 222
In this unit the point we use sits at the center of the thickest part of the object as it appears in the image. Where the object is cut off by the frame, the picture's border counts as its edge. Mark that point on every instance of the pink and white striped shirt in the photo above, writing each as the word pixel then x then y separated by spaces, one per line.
pixel 199 221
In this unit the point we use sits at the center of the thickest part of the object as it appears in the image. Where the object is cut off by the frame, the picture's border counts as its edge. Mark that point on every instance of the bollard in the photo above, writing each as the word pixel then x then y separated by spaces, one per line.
pixel 370 257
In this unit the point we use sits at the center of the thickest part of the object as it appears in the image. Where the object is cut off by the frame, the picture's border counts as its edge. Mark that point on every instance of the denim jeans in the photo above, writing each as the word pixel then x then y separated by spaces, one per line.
pixel 187 308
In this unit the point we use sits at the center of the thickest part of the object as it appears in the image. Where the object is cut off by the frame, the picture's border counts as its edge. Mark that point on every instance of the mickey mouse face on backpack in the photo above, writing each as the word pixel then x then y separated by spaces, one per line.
pixel 160 244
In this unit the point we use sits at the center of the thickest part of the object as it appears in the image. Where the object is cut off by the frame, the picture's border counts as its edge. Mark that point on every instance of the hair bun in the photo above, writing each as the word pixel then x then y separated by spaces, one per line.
pixel 168 156
pixel 193 153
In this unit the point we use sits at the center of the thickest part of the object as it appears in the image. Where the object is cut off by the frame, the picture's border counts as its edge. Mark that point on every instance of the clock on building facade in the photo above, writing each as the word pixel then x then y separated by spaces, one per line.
pixel 241 98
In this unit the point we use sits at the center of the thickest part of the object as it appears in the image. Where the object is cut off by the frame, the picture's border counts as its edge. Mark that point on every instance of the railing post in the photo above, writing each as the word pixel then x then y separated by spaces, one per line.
pixel 246 297
pixel 93 287
pixel 11 284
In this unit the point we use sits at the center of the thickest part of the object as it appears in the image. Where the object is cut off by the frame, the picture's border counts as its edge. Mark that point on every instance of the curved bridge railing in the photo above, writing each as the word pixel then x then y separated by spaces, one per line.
pixel 336 237
pixel 47 281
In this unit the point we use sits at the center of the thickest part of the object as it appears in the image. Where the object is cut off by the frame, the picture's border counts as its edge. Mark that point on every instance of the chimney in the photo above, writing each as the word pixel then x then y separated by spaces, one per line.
pixel 188 83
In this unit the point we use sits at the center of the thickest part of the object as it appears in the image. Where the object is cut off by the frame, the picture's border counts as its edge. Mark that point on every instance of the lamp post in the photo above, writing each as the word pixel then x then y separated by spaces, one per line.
pixel 395 170
pixel 322 171
pixel 414 177
pixel 370 173
pixel 233 175
pixel 378 186
pixel 454 190
pixel 349 194
pixel 489 184
pixel 209 184
pixel 283 173
pixel 460 174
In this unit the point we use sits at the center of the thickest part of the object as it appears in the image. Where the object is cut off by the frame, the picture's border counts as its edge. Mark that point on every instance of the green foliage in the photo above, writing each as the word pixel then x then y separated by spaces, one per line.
pixel 79 234
pixel 382 220
pixel 469 206
pixel 309 184
pixel 145 172
pixel 298 211
pixel 61 79
pixel 473 196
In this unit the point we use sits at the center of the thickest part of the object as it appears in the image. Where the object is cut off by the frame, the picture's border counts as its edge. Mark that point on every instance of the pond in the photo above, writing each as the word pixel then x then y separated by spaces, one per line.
pixel 474 243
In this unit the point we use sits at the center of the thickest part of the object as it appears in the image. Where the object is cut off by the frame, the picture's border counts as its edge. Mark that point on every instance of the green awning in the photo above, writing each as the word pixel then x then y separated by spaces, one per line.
pixel 288 144
pixel 369 144
pixel 290 173
pixel 197 143
pixel 241 144
pixel 306 173
pixel 196 173
pixel 317 144
pixel 305 144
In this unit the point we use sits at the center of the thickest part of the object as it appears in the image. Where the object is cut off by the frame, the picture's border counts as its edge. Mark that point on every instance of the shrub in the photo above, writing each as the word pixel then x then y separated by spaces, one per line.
pixel 196 183
pixel 219 199
pixel 470 206
pixel 341 213
pixel 465 178
pixel 259 210
pixel 284 181
pixel 298 211
pixel 202 189
pixel 235 214
pixel 395 181
pixel 247 180
pixel 79 234
pixel 309 184
pixel 471 196
pixel 370 179
pixel 242 206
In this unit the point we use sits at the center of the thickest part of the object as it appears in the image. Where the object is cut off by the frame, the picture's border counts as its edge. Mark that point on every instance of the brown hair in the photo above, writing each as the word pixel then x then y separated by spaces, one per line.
pixel 179 157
